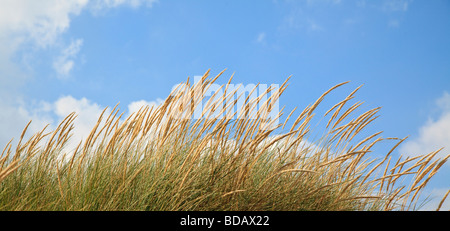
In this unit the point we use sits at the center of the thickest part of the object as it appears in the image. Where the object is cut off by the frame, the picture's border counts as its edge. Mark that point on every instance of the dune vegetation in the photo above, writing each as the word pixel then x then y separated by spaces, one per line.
pixel 156 160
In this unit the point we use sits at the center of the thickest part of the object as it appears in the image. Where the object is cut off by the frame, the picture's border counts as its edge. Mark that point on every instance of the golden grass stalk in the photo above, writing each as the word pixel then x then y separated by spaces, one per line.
pixel 156 159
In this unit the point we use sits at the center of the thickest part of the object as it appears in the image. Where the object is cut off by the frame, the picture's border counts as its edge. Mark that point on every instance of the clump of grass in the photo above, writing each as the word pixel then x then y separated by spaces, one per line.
pixel 157 160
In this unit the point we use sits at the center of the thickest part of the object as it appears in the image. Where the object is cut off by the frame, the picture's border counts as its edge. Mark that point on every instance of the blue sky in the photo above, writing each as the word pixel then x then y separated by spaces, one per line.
pixel 59 56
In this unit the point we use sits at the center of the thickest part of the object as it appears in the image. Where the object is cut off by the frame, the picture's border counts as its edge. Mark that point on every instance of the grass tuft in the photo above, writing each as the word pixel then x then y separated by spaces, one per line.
pixel 153 160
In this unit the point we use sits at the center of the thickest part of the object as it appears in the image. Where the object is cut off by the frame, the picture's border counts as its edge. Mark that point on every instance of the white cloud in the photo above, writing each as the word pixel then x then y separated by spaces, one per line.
pixel 393 23
pixel 136 105
pixel 37 25
pixel 361 3
pixel 43 21
pixel 64 63
pixel 261 38
pixel 396 5
pixel 29 23
pixel 328 2
pixel 444 102
pixel 302 15
pixel 434 134
pixel 436 196
pixel 116 3
pixel 87 112
pixel 39 21
pixel 13 118
pixel 313 26
pixel 41 24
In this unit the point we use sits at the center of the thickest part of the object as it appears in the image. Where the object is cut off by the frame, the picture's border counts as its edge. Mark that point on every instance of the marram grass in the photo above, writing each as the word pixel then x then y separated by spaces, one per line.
pixel 153 160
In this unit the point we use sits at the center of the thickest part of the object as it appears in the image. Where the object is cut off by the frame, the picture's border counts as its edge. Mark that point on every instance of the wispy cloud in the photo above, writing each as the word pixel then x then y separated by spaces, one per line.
pixel 298 19
pixel 15 114
pixel 39 25
pixel 29 23
pixel 313 25
pixel 434 134
pixel 303 15
pixel 101 6
pixel 132 3
pixel 361 3
pixel 394 23
pixel 87 115
pixel 436 196
pixel 136 105
pixel 314 2
pixel 14 117
pixel 396 5
pixel 40 22
pixel 88 112
pixel 261 38
pixel 64 63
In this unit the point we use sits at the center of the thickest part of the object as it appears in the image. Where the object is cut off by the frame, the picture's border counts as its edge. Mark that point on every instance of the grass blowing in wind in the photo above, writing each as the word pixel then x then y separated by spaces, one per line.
pixel 160 158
